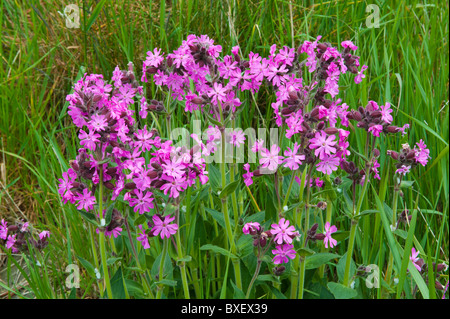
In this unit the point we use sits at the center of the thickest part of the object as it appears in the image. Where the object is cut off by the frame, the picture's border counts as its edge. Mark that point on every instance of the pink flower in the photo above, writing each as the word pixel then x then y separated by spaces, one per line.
pixel 88 140
pixel 143 238
pixel 258 145
pixel 328 231
pixel 248 176
pixel 292 160
pixel 154 58
pixel 164 227
pixel 415 259
pixel 376 129
pixel 237 137
pixel 349 44
pixel 360 75
pixel 386 113
pixel 143 203
pixel 11 241
pixel 98 122
pixel 251 228
pixel 3 230
pixel 271 159
pixel 218 93
pixel 282 253
pixel 323 144
pixel 85 200
pixel 283 231
pixel 328 165
pixel 403 170
pixel 44 234
pixel 423 154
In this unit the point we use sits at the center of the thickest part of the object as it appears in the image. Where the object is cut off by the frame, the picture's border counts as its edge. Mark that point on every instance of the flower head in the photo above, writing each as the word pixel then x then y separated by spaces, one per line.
pixel 282 253
pixel 163 227
pixel 283 232
pixel 328 239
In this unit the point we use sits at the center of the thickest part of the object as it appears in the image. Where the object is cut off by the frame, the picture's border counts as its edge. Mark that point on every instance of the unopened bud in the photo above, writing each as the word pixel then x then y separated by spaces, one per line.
pixel 130 185
pixel 322 205
pixel 331 130
pixel 278 271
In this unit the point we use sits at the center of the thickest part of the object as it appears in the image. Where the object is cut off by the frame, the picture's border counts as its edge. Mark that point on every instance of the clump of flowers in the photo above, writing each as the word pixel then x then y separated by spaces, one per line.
pixel 19 236
pixel 121 160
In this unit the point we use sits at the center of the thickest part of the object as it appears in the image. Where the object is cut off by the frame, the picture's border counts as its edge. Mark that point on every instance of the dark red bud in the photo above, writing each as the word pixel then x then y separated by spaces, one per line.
pixel 319 236
pixel 130 186
pixel 393 129
pixel 357 116
pixel 152 174
pixel 376 152
pixel 109 185
pixel 393 154
pixel 13 228
pixel 74 165
pixel 331 130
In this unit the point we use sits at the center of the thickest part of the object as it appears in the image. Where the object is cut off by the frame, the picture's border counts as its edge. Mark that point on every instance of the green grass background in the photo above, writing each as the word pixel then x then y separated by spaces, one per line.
pixel 407 56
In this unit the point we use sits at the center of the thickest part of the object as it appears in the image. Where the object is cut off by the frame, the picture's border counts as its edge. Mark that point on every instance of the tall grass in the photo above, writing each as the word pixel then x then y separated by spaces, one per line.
pixel 41 58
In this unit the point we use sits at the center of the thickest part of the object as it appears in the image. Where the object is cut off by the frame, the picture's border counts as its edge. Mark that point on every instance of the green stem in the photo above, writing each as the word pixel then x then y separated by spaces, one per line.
pixel 286 197
pixel 161 268
pixel 237 269
pixel 305 230
pixel 354 221
pixel 394 224
pixel 102 240
pixel 180 256
pixel 350 252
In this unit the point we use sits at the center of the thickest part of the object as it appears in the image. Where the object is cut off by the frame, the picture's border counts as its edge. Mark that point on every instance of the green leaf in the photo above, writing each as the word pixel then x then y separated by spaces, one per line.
pixel 401 233
pixel 109 213
pixel 140 220
pixel 258 217
pixel 95 14
pixel 117 285
pixel 341 235
pixel 218 250
pixel 89 217
pixel 134 288
pixel 167 282
pixel 110 261
pixel 406 184
pixel 238 293
pixel 230 188
pixel 340 291
pixel 317 260
pixel 387 230
pixel 88 266
pixel 218 217
pixel 305 252
pixel 340 268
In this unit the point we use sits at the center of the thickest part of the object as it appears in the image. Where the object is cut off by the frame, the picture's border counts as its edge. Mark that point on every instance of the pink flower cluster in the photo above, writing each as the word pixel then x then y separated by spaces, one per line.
pixel 112 145
pixel 16 236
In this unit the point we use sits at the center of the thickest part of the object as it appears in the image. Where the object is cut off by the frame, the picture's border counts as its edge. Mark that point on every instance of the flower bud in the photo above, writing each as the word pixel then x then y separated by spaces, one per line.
pixel 320 126
pixel 13 228
pixel 131 185
pixel 392 154
pixel 322 205
pixel 356 116
pixel 109 185
pixel 74 165
pixel 331 130
pixel 392 129
pixel 438 285
pixel 376 153
pixel 278 271
pixel 152 174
